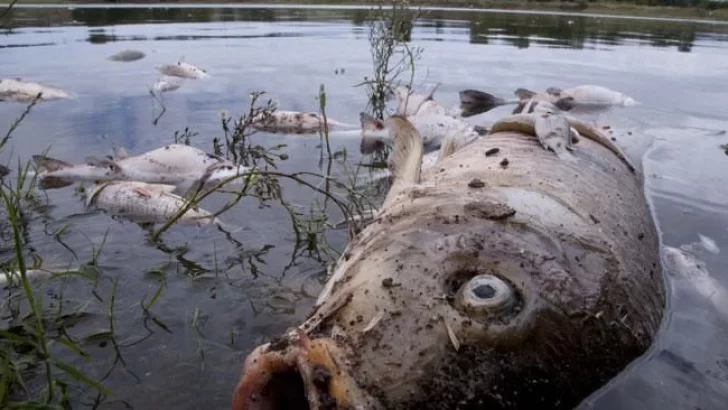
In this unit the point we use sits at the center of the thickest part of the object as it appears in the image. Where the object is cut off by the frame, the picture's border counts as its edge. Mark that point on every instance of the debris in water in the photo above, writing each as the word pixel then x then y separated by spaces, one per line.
pixel 504 163
pixel 492 151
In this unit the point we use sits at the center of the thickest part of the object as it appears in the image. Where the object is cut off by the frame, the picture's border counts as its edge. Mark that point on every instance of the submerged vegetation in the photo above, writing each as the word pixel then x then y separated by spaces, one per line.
pixel 50 358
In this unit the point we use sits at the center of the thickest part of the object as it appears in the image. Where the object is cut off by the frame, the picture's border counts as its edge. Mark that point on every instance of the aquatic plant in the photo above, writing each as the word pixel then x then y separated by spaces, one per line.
pixel 390 31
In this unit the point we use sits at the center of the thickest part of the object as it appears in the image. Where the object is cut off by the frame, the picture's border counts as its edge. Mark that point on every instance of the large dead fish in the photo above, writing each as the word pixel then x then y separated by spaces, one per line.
pixel 182 69
pixel 173 164
pixel 294 122
pixel 529 289
pixel 147 203
pixel 19 90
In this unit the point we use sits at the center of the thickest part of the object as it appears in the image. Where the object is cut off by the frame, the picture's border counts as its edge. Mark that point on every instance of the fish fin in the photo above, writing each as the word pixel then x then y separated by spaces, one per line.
pixel 143 192
pixel 406 157
pixel 50 164
pixel 449 146
pixel 51 182
pixel 474 102
pixel 120 152
pixel 556 91
pixel 524 94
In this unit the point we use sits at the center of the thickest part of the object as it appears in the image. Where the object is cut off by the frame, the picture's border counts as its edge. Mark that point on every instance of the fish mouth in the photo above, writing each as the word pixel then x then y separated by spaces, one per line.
pixel 298 375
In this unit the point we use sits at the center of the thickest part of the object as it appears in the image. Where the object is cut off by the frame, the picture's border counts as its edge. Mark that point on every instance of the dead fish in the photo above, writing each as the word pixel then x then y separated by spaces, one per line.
pixel 294 122
pixel 184 70
pixel 525 123
pixel 127 56
pixel 168 83
pixel 553 130
pixel 432 127
pixel 592 95
pixel 19 90
pixel 172 164
pixel 147 203
pixel 581 98
pixel 505 296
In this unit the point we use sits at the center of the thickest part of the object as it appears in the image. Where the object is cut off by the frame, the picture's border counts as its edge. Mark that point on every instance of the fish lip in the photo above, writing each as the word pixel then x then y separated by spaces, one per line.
pixel 298 374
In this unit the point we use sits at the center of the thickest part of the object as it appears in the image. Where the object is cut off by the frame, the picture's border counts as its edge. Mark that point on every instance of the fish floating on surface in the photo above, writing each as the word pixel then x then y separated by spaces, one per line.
pixel 19 90
pixel 531 288
pixel 147 203
pixel 184 70
pixel 127 56
pixel 294 122
pixel 173 164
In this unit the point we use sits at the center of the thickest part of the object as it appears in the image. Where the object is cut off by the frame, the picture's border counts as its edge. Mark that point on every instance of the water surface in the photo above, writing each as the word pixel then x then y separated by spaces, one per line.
pixel 221 296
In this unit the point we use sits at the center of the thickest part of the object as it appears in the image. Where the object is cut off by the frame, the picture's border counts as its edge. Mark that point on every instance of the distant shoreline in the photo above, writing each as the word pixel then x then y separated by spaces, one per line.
pixel 600 8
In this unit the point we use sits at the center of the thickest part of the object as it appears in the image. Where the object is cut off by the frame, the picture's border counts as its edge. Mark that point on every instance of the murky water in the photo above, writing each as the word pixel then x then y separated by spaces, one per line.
pixel 221 296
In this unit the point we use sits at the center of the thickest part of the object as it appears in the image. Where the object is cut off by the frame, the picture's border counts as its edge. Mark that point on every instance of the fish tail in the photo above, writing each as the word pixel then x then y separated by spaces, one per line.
pixel 629 101
pixel 50 164
pixel 474 102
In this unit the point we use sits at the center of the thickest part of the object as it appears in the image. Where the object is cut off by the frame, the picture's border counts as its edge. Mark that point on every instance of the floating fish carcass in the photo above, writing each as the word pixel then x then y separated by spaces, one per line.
pixel 22 91
pixel 173 164
pixel 127 56
pixel 184 70
pixel 530 289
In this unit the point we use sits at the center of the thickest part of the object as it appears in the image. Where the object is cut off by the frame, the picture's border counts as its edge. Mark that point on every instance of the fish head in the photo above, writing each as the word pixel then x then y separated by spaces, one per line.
pixel 443 301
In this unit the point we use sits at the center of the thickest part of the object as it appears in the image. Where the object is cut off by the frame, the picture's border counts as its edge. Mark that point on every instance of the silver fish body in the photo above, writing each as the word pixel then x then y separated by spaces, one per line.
pixel 172 164
pixel 19 90
pixel 144 203
pixel 184 70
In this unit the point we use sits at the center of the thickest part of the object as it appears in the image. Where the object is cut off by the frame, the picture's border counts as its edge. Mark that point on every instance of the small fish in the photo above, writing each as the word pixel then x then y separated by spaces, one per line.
pixel 127 56
pixel 294 122
pixel 553 130
pixel 172 164
pixel 146 203
pixel 184 70
pixel 168 83
pixel 19 90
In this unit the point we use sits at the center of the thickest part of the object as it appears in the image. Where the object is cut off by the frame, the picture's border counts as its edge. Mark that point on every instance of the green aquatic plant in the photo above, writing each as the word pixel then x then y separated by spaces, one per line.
pixel 390 31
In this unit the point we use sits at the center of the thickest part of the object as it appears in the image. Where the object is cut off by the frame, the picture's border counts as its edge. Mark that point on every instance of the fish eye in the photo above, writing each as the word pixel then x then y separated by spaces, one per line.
pixel 487 294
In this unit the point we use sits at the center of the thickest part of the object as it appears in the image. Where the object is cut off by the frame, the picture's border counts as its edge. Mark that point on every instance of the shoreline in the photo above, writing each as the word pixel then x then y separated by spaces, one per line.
pixel 606 9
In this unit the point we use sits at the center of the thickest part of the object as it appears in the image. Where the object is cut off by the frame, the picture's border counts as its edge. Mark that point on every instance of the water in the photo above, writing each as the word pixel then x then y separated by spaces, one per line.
pixel 220 297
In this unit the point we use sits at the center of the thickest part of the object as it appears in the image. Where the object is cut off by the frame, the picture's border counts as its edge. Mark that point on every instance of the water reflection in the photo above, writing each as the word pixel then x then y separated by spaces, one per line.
pixel 517 29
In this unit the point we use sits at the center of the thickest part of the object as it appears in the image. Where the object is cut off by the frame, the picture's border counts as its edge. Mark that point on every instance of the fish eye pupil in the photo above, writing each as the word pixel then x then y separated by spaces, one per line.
pixel 484 291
